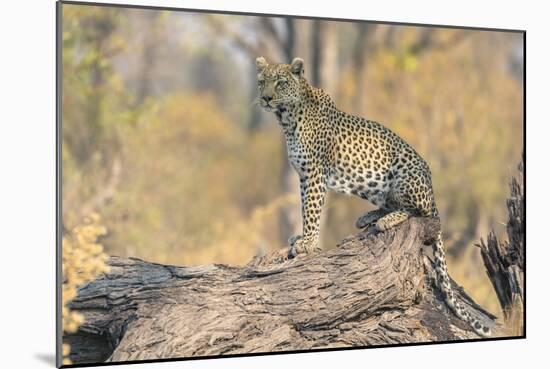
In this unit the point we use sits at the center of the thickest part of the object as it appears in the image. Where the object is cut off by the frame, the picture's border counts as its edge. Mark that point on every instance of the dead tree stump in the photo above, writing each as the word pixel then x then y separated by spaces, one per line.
pixel 373 289
pixel 505 261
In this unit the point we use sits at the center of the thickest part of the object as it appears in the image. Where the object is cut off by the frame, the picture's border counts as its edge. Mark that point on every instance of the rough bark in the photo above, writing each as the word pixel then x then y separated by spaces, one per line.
pixel 373 289
pixel 505 261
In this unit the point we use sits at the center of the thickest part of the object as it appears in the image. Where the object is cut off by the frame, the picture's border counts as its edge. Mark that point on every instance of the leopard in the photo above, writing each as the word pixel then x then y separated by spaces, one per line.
pixel 334 150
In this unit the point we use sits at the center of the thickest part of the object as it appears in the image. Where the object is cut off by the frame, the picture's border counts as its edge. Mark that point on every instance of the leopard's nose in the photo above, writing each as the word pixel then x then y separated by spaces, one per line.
pixel 267 99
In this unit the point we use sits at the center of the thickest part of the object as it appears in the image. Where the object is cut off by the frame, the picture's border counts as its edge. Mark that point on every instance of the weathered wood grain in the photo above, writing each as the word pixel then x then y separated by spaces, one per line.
pixel 373 289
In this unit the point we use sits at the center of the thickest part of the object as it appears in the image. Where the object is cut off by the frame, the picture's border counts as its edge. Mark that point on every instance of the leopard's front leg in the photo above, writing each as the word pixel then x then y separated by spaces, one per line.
pixel 313 190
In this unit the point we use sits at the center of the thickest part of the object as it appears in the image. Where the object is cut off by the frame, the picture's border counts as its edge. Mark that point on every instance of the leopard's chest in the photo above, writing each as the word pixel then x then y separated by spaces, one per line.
pixel 297 154
pixel 298 151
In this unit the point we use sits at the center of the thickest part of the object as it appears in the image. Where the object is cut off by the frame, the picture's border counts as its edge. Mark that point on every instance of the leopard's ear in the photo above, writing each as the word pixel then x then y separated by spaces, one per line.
pixel 260 64
pixel 297 67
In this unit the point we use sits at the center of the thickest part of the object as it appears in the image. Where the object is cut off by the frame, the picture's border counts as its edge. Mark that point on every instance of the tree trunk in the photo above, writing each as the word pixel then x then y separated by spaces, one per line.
pixel 150 22
pixel 373 289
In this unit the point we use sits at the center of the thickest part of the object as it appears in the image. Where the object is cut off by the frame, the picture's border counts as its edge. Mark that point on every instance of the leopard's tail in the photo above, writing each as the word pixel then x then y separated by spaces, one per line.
pixel 444 284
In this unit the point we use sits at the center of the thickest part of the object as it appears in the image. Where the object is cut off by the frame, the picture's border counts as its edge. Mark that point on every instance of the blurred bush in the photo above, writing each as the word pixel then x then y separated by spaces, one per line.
pixel 190 176
pixel 83 260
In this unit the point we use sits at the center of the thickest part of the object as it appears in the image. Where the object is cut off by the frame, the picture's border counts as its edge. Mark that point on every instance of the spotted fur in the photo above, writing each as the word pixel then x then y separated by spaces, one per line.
pixel 331 149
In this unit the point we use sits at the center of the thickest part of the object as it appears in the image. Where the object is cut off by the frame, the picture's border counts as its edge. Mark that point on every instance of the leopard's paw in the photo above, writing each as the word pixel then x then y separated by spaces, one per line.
pixel 301 245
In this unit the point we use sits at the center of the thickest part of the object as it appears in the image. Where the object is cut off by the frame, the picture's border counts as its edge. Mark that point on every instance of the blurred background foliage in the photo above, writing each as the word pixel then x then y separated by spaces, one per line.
pixel 161 138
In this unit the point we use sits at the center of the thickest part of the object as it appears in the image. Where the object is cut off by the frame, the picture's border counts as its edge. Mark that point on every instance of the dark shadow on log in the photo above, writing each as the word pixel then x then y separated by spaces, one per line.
pixel 373 289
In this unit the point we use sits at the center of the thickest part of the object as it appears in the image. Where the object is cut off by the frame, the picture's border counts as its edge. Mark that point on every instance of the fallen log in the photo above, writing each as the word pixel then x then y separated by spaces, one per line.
pixel 373 289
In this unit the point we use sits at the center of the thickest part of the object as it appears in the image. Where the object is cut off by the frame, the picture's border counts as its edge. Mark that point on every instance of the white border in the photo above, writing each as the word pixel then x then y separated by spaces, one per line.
pixel 28 206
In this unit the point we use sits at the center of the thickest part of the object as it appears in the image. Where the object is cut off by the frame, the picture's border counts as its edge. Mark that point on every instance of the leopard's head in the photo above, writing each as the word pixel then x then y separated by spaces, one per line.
pixel 280 85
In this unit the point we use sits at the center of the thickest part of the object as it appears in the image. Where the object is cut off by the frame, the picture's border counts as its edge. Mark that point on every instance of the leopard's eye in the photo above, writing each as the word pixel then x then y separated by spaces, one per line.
pixel 281 83
pixel 261 83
